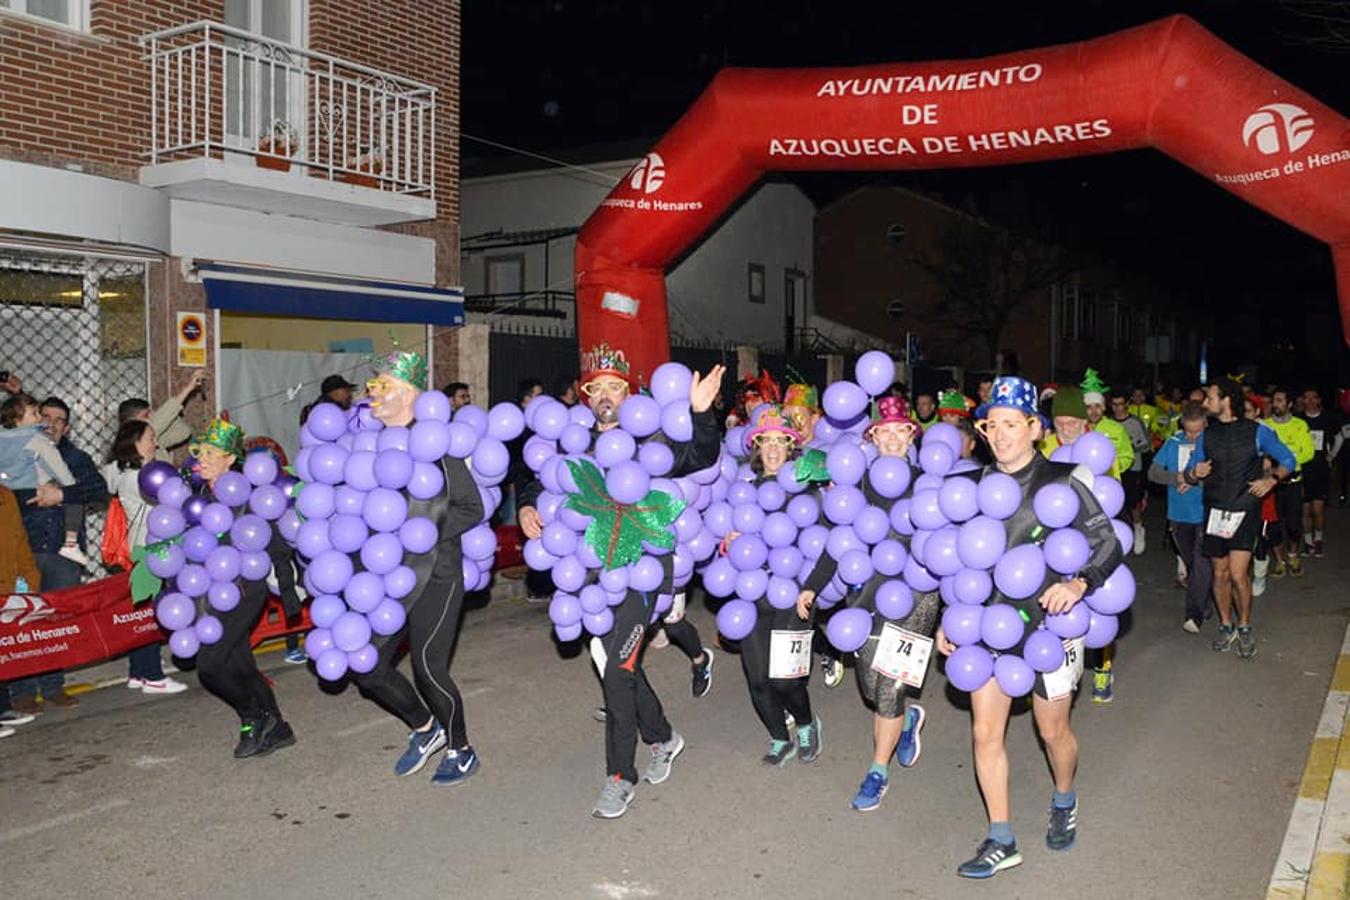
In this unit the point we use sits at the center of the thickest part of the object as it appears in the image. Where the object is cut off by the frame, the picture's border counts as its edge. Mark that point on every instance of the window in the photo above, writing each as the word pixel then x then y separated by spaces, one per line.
pixel 1125 321
pixel 1087 316
pixel 895 235
pixel 1068 312
pixel 71 13
pixel 505 275
pixel 264 89
pixel 756 283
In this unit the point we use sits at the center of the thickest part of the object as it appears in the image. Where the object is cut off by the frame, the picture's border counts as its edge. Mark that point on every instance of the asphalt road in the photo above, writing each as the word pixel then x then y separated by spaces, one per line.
pixel 1185 785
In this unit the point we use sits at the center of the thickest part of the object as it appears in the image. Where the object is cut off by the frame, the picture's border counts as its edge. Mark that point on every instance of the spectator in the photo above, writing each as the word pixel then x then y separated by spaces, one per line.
pixel 44 519
pixel 458 392
pixel 334 389
pixel 134 446
pixel 18 575
pixel 565 389
pixel 925 410
pixel 29 459
pixel 170 429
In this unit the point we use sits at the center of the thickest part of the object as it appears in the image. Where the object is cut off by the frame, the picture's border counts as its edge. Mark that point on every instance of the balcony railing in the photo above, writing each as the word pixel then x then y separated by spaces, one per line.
pixel 222 93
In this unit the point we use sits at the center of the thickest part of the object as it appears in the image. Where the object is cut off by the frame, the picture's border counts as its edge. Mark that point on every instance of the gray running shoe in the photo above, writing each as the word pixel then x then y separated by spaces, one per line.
pixel 615 798
pixel 1224 642
pixel 808 748
pixel 780 752
pixel 663 756
pixel 1246 642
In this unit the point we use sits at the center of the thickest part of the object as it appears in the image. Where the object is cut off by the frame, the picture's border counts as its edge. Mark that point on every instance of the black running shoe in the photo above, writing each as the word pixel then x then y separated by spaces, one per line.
pixel 259 737
pixel 1063 828
pixel 990 859
pixel 701 682
pixel 250 738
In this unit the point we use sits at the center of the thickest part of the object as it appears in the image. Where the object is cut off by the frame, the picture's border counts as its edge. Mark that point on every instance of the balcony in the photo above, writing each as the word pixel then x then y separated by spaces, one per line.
pixel 241 120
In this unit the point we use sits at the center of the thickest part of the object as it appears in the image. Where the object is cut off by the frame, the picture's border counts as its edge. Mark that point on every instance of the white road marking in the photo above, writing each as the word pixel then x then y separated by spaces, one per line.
pixel 153 762
pixel 14 834
pixel 624 890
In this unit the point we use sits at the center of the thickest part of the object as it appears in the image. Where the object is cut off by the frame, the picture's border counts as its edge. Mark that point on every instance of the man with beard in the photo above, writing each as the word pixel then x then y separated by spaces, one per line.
pixel 631 706
pixel 1325 430
pixel 925 411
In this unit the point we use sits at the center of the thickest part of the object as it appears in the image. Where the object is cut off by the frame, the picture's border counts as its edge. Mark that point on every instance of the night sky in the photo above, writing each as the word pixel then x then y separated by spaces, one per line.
pixel 550 75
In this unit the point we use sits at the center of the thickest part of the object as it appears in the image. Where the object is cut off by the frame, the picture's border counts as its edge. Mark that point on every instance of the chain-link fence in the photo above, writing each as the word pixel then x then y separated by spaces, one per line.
pixel 74 327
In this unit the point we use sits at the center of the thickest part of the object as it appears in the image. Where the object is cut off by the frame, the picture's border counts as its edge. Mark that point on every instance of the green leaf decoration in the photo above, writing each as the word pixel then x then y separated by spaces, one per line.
pixel 811 466
pixel 617 530
pixel 144 583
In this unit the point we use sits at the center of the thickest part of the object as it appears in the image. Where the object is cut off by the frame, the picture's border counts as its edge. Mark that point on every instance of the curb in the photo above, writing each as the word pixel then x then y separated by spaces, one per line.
pixel 84 687
pixel 1314 859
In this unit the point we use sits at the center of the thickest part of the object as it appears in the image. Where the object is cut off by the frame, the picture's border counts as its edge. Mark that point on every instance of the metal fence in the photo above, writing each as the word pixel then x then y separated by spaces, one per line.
pixel 74 327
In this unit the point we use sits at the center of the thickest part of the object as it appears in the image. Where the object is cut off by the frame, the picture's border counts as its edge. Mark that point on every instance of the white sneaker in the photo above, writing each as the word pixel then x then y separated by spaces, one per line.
pixel 5 731
pixel 135 684
pixel 1258 586
pixel 10 717
pixel 166 686
pixel 1190 627
pixel 1139 539
pixel 73 553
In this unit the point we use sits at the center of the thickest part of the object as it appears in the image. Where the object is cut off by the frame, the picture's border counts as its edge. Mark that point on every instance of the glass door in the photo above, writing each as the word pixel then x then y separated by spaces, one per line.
pixel 264 81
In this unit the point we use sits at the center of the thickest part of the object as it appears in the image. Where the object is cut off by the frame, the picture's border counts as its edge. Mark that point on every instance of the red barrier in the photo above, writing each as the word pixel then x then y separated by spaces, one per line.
pixel 1170 85
pixel 93 622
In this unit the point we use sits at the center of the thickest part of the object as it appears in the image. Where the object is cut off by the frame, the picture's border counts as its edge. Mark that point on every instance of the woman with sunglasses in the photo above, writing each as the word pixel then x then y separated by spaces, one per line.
pixel 895 730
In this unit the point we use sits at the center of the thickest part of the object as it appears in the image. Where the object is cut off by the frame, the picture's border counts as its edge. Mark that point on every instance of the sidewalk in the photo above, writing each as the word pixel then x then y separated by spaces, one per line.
pixel 1314 860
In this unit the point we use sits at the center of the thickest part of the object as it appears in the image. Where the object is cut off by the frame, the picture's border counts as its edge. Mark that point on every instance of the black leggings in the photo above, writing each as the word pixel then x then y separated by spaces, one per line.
pixel 433 621
pixel 227 667
pixel 773 697
pixel 631 705
pixel 1289 507
pixel 684 635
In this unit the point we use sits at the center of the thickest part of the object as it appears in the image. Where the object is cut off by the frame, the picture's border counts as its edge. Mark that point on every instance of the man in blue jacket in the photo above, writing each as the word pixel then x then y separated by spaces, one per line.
pixel 1186 512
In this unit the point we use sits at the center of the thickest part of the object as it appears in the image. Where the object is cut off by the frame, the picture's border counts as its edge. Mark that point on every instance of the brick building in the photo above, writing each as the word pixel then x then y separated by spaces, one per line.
pixel 285 169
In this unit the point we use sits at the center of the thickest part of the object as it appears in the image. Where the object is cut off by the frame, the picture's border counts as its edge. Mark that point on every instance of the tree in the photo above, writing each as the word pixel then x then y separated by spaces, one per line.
pixel 986 275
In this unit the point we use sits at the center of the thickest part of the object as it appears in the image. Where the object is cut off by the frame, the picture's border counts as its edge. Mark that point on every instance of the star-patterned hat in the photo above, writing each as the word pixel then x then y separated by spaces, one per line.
pixel 1011 392
pixel 601 361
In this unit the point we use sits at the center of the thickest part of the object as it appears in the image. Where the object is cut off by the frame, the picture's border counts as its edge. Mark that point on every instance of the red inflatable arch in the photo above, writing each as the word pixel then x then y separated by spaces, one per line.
pixel 1169 84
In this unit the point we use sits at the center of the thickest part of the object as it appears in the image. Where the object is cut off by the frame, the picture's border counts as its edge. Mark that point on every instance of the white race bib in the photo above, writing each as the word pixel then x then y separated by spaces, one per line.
pixel 1184 452
pixel 902 655
pixel 1317 440
pixel 1064 681
pixel 790 654
pixel 1224 524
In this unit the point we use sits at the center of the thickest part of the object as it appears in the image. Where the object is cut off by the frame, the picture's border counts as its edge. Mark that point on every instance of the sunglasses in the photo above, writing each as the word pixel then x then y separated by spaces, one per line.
pixel 772 439
pixel 596 388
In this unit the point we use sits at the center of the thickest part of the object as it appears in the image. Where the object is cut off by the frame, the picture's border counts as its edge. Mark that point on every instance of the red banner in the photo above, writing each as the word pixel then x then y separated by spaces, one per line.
pixel 72 627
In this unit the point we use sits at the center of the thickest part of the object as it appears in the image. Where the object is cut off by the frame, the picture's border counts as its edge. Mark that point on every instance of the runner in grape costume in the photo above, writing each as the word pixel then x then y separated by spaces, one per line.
pixel 615 554
pixel 1050 514
pixel 895 730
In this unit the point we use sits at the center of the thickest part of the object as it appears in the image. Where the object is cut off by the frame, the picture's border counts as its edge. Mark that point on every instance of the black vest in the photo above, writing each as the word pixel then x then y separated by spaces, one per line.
pixel 1231 447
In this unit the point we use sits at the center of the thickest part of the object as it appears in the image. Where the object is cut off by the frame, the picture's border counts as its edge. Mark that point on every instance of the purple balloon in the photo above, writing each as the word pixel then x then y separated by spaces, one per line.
pixel 771 496
pixel 330 571
pixel 640 416
pixel 387 618
pixel 431 405
pixel 384 509
pixel 1066 550
pixel 748 552
pixel 742 492
pixel 175 611
pixel 719 578
pixel 326 421
pixel 1095 451
pixel 327 464
pixel 426 482
pixel 400 582
pixel 564 609
pixel 359 471
pixel 193 580
pixel 1014 676
pixel 192 508
pixel 671 382
pixel 365 441
pixel 785 562
pixel 844 401
pixel 981 542
pixel 222 564
pixel 1071 624
pixel 491 459
pixel 381 554
pixel 872 525
pixel 546 417
pixel 645 575
pixel 344 532
pixel 153 476
pixel 928 482
pixel 462 439
pixel 999 495
pixel 875 372
pixel 260 467
pixel 889 476
pixel 302 463
pixel 1055 505
pixel 889 558
pixel 172 560
pixel 677 420
pixel 1109 494
pixel 972 586
pixel 894 600
pixel 418 534
pixel 602 622
pixel 900 520
pixel 925 511
pixel 940 554
pixel 223 596
pixel 574 439
pixel 969 668
pixel 317 641
pixel 627 482
pixel 848 629
pixel 393 469
pixel 351 632
pixel 198 543
pixel 316 501
pixel 846 463
pixel 855 567
pixel 842 503
pixel 324 610
pixel 752 585
pixel 1062 454
pixel 208 629
pixel 736 619
pixel 1102 630
pixel 1001 626
pixel 367 658
pixel 1124 534
pixel 936 458
pixel 1021 572
pixel 331 664
pixel 593 598
pixel 803 510
pixel 250 533
pixel 184 643
pixel 779 530
pixel 268 502
pixel 396 437
pixel 747 518
pixel 961 623
pixel 569 632
pixel 1044 651
pixel 175 493
pixel 506 422
pixel 918 577
pixel 958 499
pixel 164 522
pixel 255 566
pixel 945 433
pixel 842 539
pixel 1115 595
pixel 569 574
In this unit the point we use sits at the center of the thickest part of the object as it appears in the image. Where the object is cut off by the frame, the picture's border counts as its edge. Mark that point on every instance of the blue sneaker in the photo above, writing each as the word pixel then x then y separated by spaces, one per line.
pixel 990 859
pixel 421 744
pixel 296 657
pixel 908 750
pixel 869 795
pixel 457 766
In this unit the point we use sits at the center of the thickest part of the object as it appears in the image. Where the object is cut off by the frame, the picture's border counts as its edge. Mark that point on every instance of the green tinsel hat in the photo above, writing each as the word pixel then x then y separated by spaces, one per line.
pixel 954 402
pixel 222 434
pixel 405 365
pixel 1094 389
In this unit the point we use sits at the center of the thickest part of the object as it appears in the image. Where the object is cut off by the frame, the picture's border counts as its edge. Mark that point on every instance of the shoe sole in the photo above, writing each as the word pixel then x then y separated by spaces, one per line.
pixel 460 779
pixel 1068 846
pixel 601 814
pixel 876 805
pixel 646 776
pixel 1010 863
pixel 436 745
pixel 918 744
pixel 787 758
pixel 288 741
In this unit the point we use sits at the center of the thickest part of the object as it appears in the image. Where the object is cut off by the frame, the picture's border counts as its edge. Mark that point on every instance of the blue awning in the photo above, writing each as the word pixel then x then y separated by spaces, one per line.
pixel 306 295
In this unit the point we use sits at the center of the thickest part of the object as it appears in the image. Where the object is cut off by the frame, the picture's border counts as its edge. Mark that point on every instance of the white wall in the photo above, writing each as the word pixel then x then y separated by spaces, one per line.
pixel 707 291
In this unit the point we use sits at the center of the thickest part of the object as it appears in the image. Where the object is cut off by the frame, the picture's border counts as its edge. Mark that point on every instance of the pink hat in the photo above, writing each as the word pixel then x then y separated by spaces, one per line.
pixel 891 411
pixel 770 420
